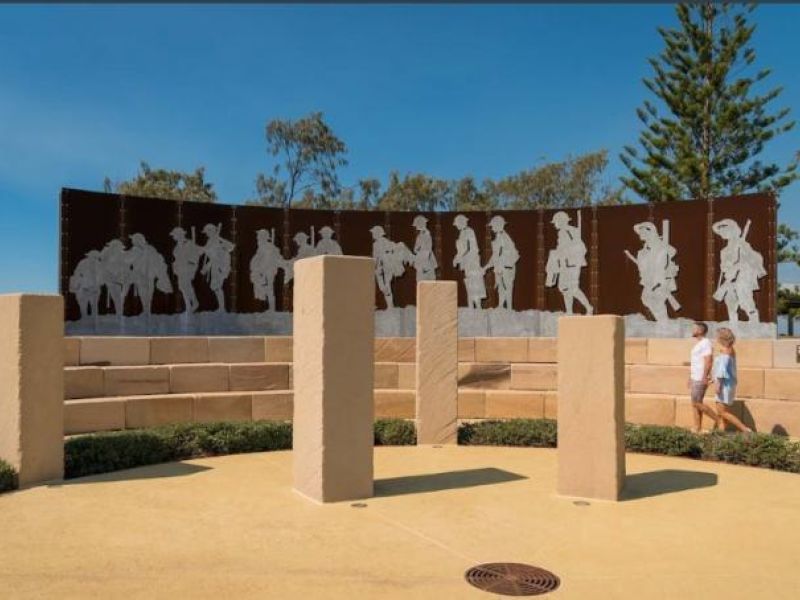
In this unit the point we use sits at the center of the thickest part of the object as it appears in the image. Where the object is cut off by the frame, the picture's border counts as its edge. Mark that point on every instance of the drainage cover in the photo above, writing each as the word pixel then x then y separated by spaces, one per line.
pixel 512 579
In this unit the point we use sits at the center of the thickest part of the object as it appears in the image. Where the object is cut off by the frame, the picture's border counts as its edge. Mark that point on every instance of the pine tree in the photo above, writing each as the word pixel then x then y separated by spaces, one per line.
pixel 704 137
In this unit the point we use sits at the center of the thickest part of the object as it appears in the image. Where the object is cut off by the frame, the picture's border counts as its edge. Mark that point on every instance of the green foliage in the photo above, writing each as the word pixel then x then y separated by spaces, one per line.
pixel 112 451
pixel 8 477
pixel 788 245
pixel 758 450
pixel 162 183
pixel 672 441
pixel 395 432
pixel 538 433
pixel 106 452
pixel 309 155
pixel 711 123
pixel 575 181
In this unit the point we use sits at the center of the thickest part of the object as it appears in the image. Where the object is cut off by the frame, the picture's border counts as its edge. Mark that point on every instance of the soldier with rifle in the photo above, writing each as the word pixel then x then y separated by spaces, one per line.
pixel 565 261
pixel 740 269
pixel 657 269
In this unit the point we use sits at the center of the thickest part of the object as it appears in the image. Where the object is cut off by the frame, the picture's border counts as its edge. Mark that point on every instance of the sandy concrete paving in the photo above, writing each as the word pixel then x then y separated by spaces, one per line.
pixel 231 527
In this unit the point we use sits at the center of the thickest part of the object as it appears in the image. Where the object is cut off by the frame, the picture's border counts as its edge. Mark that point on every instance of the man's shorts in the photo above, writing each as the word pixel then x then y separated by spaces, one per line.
pixel 698 390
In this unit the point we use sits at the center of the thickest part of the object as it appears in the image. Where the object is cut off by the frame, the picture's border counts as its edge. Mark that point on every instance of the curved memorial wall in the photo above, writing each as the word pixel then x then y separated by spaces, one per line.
pixel 145 266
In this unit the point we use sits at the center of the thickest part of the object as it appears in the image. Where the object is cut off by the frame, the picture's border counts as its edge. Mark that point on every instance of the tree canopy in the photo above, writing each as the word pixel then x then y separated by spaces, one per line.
pixel 163 183
pixel 709 122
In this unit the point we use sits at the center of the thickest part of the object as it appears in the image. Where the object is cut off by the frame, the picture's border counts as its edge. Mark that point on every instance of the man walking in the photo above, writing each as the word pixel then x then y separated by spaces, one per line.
pixel 700 375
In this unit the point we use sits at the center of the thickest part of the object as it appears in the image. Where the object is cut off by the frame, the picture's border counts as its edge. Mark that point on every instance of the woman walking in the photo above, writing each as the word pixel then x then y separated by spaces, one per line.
pixel 724 375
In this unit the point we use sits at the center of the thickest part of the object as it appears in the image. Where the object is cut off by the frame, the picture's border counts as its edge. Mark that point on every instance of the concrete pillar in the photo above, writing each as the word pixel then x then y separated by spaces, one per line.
pixel 437 362
pixel 32 386
pixel 334 306
pixel 591 406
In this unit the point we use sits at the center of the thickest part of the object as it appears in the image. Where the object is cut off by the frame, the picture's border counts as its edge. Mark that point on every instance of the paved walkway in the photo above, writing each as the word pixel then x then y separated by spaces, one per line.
pixel 231 527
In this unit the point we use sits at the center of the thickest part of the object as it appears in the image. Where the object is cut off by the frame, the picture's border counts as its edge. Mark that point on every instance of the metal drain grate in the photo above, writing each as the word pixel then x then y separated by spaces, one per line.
pixel 512 579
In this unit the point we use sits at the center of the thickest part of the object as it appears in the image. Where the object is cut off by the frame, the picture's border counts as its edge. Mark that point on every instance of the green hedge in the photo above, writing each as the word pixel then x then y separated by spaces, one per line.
pixel 105 452
pixel 8 477
pixel 758 449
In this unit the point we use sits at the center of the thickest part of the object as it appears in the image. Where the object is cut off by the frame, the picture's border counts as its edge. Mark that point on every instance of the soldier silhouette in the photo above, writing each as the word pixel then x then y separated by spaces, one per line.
pixel 424 259
pixel 185 260
pixel 115 275
pixel 326 244
pixel 264 268
pixel 391 259
pixel 216 262
pixel 468 259
pixel 304 248
pixel 565 261
pixel 148 271
pixel 85 283
pixel 740 269
pixel 503 262
pixel 657 269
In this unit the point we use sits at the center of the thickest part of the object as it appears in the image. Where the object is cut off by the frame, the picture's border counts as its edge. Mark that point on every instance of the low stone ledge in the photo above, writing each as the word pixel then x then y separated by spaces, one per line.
pixel 83 382
pixel 230 406
pixel 199 378
pixel 96 414
pixel 259 377
pixel 129 381
pixel 512 404
pixel 236 349
pixel 177 350
pixel 151 411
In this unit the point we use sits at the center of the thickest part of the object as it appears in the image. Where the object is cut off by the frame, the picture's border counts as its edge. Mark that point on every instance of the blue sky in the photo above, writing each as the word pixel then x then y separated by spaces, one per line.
pixel 452 90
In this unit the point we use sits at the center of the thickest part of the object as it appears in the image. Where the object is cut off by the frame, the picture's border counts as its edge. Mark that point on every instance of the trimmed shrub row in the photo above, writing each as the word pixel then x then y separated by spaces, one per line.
pixel 8 477
pixel 105 452
pixel 757 450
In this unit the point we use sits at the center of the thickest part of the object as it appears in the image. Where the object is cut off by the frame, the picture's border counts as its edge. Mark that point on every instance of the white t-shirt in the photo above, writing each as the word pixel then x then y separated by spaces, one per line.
pixel 700 350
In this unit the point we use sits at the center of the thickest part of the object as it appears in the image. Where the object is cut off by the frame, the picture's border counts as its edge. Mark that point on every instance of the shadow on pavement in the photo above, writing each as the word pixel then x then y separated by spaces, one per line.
pixel 666 481
pixel 172 469
pixel 449 480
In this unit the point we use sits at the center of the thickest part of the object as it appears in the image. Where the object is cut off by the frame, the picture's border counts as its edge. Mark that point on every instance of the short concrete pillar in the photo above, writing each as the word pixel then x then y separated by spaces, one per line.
pixel 334 306
pixel 591 406
pixel 437 362
pixel 32 386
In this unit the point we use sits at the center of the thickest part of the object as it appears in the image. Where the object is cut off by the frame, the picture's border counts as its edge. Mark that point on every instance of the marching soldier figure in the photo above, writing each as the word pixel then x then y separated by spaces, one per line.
pixel 565 261
pixel 740 269
pixel 264 268
pixel 391 259
pixel 503 262
pixel 85 283
pixel 327 245
pixel 115 275
pixel 468 259
pixel 304 248
pixel 424 259
pixel 216 261
pixel 657 269
pixel 148 271
pixel 185 261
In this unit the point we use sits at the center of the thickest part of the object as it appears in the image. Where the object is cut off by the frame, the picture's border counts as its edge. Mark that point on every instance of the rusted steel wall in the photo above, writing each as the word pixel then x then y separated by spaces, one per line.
pixel 89 220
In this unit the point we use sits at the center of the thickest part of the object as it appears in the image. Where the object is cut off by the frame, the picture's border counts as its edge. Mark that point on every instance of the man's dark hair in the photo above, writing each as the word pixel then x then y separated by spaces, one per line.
pixel 703 327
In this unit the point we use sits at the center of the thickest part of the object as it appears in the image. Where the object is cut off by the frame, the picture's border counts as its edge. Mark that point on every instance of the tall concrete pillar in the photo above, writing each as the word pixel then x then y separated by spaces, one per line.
pixel 591 406
pixel 334 306
pixel 437 362
pixel 32 386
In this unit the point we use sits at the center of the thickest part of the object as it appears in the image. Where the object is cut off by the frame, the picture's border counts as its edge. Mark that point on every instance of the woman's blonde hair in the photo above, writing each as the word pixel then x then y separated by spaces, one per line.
pixel 725 337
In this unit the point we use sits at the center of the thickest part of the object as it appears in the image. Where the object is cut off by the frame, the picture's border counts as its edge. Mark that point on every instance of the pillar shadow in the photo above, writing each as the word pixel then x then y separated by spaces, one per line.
pixel 449 480
pixel 172 469
pixel 665 481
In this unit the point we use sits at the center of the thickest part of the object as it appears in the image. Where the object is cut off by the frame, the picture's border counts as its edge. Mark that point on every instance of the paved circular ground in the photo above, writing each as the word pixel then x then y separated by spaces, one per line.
pixel 231 527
